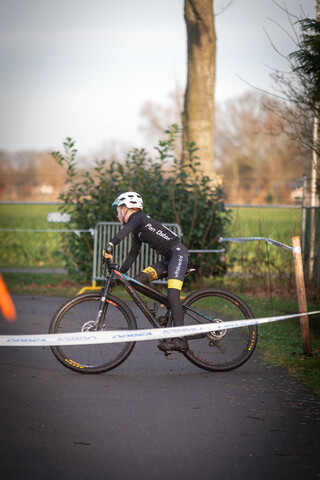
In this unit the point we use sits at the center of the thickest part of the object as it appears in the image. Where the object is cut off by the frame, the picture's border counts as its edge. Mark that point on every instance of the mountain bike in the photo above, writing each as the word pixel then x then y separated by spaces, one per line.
pixel 216 351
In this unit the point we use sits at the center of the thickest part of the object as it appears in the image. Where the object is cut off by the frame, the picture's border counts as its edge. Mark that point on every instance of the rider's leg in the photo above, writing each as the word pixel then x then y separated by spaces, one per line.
pixel 154 272
pixel 175 304
pixel 177 268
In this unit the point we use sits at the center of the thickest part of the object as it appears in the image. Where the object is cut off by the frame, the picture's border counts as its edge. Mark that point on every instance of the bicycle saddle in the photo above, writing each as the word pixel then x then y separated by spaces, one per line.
pixel 189 271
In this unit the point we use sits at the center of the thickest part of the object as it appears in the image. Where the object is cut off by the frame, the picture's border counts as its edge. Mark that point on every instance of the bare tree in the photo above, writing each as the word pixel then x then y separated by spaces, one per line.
pixel 157 117
pixel 6 170
pixel 300 88
pixel 258 162
pixel 308 67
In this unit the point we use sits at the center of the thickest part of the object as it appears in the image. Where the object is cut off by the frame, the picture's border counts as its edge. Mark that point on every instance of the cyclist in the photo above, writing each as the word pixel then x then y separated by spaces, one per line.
pixel 175 256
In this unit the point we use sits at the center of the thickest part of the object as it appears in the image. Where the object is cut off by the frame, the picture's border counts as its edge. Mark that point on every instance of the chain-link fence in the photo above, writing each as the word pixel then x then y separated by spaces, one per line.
pixel 281 223
pixel 31 237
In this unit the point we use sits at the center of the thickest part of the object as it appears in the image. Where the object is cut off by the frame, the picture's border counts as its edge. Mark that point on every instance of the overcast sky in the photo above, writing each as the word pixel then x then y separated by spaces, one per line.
pixel 84 68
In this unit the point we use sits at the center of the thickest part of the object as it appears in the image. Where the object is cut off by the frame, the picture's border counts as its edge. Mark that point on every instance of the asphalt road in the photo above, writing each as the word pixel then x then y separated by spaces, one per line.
pixel 151 418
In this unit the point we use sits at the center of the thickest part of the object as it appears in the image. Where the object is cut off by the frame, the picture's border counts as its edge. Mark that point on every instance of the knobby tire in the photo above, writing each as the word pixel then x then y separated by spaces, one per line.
pixel 235 346
pixel 75 315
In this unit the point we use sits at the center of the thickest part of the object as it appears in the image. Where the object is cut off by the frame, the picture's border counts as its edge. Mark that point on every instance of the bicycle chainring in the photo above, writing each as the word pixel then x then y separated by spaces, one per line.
pixel 162 320
pixel 217 334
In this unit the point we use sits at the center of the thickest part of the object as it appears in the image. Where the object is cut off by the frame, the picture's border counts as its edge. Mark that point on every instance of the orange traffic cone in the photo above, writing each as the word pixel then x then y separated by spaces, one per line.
pixel 6 304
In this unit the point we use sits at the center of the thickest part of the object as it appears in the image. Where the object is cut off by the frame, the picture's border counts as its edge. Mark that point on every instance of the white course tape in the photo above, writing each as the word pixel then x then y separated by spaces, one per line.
pixel 253 239
pixel 117 336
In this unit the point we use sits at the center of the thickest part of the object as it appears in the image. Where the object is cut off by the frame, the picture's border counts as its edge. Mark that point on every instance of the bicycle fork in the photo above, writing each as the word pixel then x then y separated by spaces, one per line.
pixel 103 306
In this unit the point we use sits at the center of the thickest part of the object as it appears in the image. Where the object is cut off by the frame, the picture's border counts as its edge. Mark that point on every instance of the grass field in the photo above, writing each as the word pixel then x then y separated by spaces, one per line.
pixel 43 249
pixel 21 249
pixel 281 223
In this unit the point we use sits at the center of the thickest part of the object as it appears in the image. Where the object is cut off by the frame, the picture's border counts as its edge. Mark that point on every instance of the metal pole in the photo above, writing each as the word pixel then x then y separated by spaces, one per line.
pixel 301 293
pixel 318 251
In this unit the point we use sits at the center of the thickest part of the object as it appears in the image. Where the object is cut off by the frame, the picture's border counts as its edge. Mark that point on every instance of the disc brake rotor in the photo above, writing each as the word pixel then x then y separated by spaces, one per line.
pixel 88 326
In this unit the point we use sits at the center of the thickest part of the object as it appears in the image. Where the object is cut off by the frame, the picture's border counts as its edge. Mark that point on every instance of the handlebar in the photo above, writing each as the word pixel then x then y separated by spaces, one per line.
pixel 107 261
pixel 110 266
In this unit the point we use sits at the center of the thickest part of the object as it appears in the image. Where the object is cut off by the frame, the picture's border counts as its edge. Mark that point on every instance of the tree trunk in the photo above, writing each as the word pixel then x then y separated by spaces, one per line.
pixel 313 183
pixel 198 115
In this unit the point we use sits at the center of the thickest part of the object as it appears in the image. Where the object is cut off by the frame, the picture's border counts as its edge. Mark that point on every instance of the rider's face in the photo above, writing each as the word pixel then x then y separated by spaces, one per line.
pixel 120 213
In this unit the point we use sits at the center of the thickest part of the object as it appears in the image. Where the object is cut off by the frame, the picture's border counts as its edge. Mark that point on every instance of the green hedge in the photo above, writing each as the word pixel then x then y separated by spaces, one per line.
pixel 172 193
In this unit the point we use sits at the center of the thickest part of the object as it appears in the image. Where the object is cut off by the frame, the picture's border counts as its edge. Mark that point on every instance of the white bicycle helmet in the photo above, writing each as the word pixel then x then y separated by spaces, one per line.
pixel 130 200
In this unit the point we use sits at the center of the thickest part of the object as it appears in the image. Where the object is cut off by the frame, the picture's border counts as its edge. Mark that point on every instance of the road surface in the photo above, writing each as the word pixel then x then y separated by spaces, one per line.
pixel 151 418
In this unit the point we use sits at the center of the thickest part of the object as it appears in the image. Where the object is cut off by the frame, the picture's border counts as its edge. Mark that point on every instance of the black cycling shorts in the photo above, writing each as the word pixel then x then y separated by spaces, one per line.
pixel 173 265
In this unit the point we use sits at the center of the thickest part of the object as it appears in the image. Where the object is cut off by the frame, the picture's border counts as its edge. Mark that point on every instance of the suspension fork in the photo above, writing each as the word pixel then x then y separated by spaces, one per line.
pixel 103 306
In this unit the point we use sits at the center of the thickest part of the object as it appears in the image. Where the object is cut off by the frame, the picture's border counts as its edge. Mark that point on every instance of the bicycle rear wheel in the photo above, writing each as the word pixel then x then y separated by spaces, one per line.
pixel 219 350
pixel 79 315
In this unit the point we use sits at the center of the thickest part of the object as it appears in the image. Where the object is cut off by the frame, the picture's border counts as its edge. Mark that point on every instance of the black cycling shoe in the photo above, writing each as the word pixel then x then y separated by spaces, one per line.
pixel 175 344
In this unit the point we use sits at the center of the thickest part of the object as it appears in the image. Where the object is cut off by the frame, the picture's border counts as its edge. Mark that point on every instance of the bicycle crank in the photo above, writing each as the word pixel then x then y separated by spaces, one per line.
pixel 217 334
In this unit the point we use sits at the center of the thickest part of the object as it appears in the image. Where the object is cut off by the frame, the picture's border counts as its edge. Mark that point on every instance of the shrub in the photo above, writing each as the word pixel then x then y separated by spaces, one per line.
pixel 172 193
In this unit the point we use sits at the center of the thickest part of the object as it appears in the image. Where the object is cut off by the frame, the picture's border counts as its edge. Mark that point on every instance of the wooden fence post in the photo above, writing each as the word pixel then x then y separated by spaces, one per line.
pixel 301 293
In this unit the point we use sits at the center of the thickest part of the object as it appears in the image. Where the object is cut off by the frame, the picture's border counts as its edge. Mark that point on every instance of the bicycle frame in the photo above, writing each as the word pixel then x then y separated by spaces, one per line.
pixel 126 281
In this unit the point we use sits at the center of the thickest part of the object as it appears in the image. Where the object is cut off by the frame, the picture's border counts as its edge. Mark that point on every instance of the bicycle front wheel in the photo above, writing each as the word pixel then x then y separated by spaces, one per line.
pixel 219 350
pixel 79 315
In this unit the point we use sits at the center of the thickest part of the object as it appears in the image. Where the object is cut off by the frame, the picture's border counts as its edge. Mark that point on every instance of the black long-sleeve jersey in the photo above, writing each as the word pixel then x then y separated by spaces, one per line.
pixel 145 229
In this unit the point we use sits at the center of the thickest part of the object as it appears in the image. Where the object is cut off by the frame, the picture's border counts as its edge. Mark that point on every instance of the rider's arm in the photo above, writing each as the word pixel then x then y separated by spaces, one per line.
pixel 134 222
pixel 132 255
